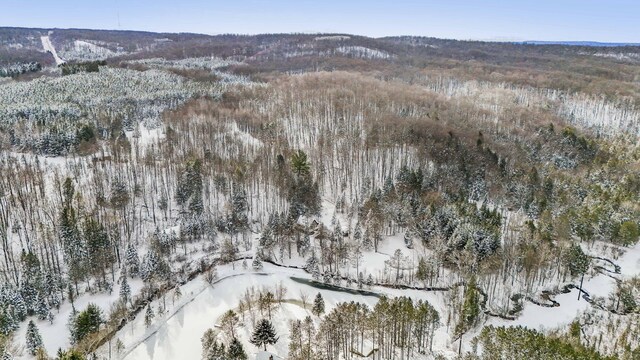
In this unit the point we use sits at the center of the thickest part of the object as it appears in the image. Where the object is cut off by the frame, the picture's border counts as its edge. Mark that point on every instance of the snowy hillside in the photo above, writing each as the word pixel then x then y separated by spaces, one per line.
pixel 316 196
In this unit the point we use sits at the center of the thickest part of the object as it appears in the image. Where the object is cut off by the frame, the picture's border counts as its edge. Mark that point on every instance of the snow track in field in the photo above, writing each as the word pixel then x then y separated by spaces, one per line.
pixel 48 46
pixel 177 334
pixel 160 324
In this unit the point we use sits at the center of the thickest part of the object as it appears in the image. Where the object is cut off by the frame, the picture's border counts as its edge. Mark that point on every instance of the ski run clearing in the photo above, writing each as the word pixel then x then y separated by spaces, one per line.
pixel 48 46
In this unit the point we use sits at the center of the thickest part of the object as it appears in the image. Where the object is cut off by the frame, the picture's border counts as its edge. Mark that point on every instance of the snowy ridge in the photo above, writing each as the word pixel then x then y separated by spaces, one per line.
pixel 618 56
pixel 332 38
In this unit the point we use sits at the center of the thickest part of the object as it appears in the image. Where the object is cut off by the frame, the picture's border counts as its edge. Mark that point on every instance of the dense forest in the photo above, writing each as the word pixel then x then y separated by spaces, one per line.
pixel 425 198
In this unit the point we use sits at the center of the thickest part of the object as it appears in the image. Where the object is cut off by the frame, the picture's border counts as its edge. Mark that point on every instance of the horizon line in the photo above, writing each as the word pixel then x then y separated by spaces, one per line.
pixel 497 39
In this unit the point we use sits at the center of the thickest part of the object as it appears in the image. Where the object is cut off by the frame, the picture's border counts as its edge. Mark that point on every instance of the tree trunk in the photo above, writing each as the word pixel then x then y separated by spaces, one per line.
pixel 580 290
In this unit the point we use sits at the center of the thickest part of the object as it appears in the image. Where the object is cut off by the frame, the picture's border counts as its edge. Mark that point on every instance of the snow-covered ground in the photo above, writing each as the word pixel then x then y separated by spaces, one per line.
pixel 55 335
pixel 363 52
pixel 178 333
pixel 596 285
pixel 48 46
pixel 85 50
pixel 332 38
pixel 145 137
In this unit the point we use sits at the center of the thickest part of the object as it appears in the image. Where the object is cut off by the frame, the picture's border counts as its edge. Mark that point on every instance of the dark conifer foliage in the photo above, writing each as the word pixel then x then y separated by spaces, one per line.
pixel 264 334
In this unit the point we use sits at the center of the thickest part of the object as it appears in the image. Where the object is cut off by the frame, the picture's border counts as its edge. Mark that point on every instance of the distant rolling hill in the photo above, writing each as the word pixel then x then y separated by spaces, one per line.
pixel 565 65
pixel 579 43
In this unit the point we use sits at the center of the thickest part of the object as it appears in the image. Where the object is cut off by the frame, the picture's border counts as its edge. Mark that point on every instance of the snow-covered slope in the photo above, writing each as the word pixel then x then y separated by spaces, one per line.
pixel 85 50
pixel 48 46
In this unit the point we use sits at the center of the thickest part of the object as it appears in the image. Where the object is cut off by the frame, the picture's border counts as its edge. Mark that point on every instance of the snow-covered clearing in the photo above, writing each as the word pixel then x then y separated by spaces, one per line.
pixel 145 137
pixel 177 335
pixel 55 335
pixel 629 56
pixel 363 52
pixel 86 50
pixel 48 46
pixel 595 284
pixel 332 38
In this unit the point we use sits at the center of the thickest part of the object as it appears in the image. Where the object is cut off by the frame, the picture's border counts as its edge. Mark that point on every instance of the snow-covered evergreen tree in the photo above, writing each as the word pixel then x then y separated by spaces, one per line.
pixel 312 262
pixel 236 351
pixel 360 280
pixel 211 349
pixel 52 290
pixel 153 267
pixel 34 340
pixel 8 322
pixel 42 308
pixel 30 297
pixel 125 290
pixel 316 275
pixel 318 305
pixel 132 261
pixel 370 280
pixel 327 277
pixel 264 334
pixel 357 233
pixel 229 252
pixel 149 316
pixel 257 263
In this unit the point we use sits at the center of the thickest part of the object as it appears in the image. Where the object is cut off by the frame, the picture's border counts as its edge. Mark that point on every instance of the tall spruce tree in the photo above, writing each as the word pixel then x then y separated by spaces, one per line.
pixel 125 290
pixel 422 272
pixel 148 316
pixel 34 340
pixel 264 334
pixel 73 246
pixel 87 322
pixel 132 261
pixel 99 248
pixel 318 305
pixel 236 351
pixel 578 263
pixel 470 308
pixel 257 263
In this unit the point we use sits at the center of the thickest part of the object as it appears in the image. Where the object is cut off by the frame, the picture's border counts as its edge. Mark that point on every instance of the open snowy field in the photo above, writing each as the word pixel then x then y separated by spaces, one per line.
pixel 178 333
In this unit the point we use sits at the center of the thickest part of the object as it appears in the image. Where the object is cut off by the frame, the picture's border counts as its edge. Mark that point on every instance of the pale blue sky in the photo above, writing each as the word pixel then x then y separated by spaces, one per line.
pixel 592 20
